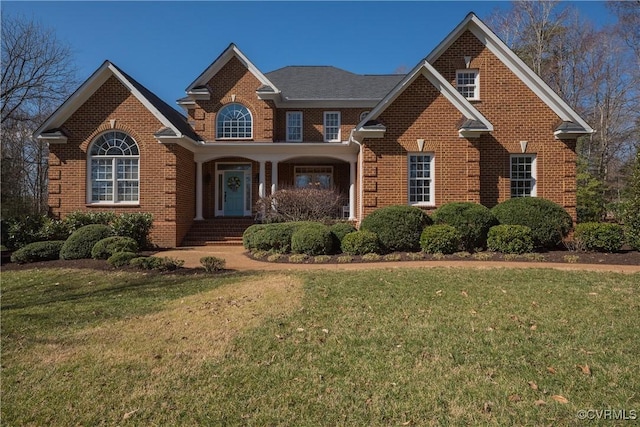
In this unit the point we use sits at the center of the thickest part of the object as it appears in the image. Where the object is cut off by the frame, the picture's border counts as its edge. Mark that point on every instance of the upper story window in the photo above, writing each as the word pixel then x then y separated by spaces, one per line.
pixel 523 175
pixel 294 126
pixel 332 126
pixel 468 83
pixel 421 173
pixel 113 164
pixel 234 122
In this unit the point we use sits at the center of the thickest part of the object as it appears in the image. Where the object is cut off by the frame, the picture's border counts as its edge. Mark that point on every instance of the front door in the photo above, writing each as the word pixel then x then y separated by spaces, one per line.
pixel 233 193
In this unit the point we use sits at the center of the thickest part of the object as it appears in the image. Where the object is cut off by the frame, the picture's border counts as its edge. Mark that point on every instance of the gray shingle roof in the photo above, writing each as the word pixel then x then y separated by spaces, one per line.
pixel 330 83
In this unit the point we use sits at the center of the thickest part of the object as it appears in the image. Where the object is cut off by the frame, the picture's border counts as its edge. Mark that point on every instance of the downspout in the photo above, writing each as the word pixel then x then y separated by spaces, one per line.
pixel 360 205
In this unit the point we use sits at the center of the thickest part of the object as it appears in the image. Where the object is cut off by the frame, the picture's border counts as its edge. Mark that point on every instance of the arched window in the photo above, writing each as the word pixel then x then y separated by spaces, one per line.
pixel 114 174
pixel 234 122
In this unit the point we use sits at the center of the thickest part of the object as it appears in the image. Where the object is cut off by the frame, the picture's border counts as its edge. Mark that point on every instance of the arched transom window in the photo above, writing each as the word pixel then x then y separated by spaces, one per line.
pixel 114 162
pixel 234 122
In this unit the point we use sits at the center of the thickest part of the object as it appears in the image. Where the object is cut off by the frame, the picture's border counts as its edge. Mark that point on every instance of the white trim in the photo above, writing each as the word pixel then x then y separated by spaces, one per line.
pixel 514 63
pixel 290 113
pixel 432 179
pixel 476 82
pixel 244 138
pixel 534 173
pixel 324 126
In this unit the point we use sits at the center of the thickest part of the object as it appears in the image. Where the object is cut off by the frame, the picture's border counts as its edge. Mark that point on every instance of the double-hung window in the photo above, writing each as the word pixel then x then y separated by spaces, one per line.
pixel 332 126
pixel 421 173
pixel 294 126
pixel 468 84
pixel 114 175
pixel 523 175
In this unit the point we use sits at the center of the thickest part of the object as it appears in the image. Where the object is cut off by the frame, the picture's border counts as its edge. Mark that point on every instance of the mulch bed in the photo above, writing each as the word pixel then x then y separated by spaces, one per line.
pixel 560 256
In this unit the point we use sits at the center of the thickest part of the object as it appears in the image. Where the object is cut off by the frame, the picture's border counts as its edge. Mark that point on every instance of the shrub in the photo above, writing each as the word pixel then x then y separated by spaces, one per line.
pixel 108 246
pixel 440 238
pixel 156 263
pixel 398 227
pixel 120 259
pixel 134 225
pixel 599 236
pixel 81 242
pixel 312 239
pixel 79 219
pixel 54 229
pixel 472 221
pixel 273 237
pixel 510 239
pixel 341 229
pixel 360 243
pixel 548 221
pixel 212 263
pixel 301 204
pixel 22 230
pixel 38 251
pixel 371 257
pixel 248 234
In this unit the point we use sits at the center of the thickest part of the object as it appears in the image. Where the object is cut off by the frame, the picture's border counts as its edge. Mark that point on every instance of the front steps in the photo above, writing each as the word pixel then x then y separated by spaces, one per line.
pixel 217 231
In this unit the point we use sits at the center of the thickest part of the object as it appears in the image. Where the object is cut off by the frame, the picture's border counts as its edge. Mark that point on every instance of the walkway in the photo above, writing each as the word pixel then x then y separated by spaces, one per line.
pixel 237 260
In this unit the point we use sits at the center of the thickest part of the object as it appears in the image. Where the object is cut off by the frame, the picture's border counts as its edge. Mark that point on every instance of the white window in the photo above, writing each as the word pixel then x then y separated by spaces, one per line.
pixel 294 126
pixel 113 165
pixel 421 172
pixel 234 122
pixel 523 175
pixel 468 83
pixel 317 176
pixel 332 126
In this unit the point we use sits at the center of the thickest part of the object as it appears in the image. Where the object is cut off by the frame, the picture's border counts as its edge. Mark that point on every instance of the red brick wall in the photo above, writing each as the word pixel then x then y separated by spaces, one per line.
pixel 313 123
pixel 159 184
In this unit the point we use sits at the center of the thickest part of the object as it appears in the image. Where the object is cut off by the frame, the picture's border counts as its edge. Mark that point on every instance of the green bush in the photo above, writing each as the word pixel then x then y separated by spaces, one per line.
pixel 312 239
pixel 510 239
pixel 81 242
pixel 275 237
pixel 120 259
pixel 156 263
pixel 134 225
pixel 108 246
pixel 18 232
pixel 398 227
pixel 440 238
pixel 38 251
pixel 360 243
pixel 211 263
pixel 599 236
pixel 341 229
pixel 247 241
pixel 472 221
pixel 549 222
pixel 79 219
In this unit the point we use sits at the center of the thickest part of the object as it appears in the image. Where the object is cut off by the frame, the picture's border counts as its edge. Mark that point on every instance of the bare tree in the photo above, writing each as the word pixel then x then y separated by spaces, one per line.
pixel 37 74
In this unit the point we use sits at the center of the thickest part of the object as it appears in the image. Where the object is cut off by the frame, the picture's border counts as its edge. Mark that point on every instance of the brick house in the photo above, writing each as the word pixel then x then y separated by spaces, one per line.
pixel 471 122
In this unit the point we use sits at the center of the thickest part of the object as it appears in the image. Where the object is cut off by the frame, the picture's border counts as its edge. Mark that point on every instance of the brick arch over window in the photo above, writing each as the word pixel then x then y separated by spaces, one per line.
pixel 234 121
pixel 113 169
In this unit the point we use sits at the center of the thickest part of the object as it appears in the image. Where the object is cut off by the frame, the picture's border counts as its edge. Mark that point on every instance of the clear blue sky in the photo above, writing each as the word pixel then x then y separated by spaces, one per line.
pixel 166 45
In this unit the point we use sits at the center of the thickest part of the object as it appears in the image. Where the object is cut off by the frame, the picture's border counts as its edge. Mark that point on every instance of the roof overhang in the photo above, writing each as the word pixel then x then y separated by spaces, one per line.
pixel 54 136
pixel 570 130
pixel 276 151
pixel 474 123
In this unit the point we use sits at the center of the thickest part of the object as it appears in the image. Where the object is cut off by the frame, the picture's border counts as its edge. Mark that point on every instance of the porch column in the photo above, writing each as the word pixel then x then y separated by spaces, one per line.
pixel 274 177
pixel 199 216
pixel 261 180
pixel 352 191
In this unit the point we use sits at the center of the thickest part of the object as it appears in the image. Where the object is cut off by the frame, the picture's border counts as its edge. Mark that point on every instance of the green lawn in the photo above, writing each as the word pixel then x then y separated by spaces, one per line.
pixel 381 348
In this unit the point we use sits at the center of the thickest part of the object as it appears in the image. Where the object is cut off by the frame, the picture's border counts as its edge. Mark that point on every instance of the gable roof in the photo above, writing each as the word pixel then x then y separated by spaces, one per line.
pixel 474 122
pixel 197 86
pixel 304 83
pixel 171 120
pixel 487 37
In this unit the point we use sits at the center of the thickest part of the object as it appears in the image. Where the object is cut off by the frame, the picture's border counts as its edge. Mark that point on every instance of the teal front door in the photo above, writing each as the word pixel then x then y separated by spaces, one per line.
pixel 233 193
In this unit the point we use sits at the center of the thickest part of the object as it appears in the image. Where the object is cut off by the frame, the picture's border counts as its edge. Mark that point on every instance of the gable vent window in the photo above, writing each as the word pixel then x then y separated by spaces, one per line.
pixel 468 84
pixel 234 121
pixel 113 164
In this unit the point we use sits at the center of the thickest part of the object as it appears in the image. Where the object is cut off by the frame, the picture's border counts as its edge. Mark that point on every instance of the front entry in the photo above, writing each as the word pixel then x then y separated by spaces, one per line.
pixel 233 193
pixel 233 189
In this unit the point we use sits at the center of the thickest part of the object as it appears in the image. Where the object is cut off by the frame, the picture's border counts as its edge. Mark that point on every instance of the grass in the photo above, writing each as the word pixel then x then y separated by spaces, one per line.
pixel 384 347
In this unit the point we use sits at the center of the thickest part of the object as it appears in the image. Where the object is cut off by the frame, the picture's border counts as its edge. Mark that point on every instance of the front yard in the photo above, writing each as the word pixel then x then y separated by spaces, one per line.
pixel 384 347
